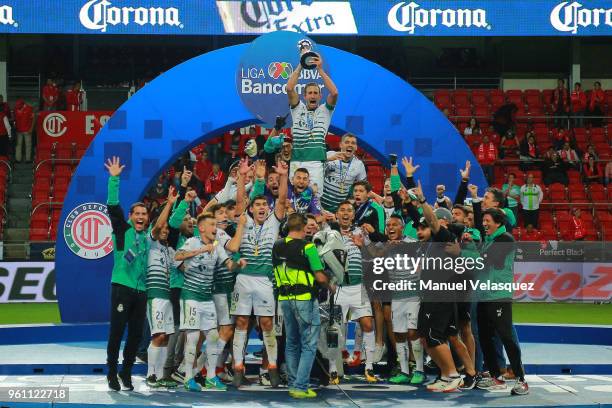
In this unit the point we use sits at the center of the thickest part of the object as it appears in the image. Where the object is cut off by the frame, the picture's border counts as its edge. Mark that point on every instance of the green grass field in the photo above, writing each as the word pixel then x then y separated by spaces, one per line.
pixel 567 313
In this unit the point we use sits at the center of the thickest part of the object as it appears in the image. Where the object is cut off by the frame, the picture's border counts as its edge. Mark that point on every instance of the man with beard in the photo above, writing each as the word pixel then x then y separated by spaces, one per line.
pixel 310 123
pixel 128 282
pixel 253 291
pixel 369 215
pixel 301 195
pixel 342 170
pixel 351 295
pixel 201 256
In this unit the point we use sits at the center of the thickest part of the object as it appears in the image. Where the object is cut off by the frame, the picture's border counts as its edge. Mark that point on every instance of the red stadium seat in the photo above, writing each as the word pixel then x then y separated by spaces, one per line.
pixel 480 97
pixel 515 96
pixel 577 195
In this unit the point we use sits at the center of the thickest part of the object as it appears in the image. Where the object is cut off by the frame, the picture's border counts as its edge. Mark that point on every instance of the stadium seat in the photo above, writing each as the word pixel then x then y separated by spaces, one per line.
pixel 515 96
pixel 480 97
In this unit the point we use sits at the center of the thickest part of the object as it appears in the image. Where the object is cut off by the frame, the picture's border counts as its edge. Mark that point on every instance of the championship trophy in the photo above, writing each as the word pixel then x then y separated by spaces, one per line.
pixel 306 52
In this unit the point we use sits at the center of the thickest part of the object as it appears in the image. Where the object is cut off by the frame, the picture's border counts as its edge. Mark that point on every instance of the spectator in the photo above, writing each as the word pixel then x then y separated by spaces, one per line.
pixel 74 97
pixel 24 123
pixel 512 193
pixel 528 151
pixel 487 155
pixel 509 145
pixel 215 181
pixel 50 95
pixel 579 102
pixel 592 171
pixel 472 129
pixel 214 147
pixel 233 146
pixel 579 227
pixel 160 190
pixel 259 139
pixel 569 156
pixel 5 134
pixel 555 171
pixel 550 153
pixel 531 234
pixel 608 173
pixel 504 118
pixel 4 107
pixel 560 137
pixel 596 103
pixel 590 153
pixel 559 104
pixel 531 196
pixel 203 167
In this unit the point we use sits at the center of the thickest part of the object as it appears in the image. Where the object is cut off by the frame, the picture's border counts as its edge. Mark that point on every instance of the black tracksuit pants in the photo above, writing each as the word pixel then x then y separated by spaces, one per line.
pixel 128 308
pixel 495 318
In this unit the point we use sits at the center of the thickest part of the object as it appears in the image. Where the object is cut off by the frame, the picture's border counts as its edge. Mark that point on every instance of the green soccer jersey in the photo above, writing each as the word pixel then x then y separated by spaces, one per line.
pixel 309 130
pixel 256 246
pixel 338 178
pixel 200 270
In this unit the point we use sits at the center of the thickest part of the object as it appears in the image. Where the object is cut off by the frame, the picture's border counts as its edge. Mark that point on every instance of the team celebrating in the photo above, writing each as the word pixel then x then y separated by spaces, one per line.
pixel 285 250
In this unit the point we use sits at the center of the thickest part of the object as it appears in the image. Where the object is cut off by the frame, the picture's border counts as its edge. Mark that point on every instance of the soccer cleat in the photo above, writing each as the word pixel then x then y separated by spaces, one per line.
pixel 370 377
pixel 356 360
pixel 239 379
pixel 178 376
pixel 491 383
pixel 333 378
pixel 520 388
pixel 113 382
pixel 168 383
pixel 152 381
pixel 443 385
pixel 264 379
pixel 200 379
pixel 418 377
pixel 299 394
pixel 401 378
pixel 126 380
pixel 274 376
pixel 470 381
pixel 192 385
pixel 215 383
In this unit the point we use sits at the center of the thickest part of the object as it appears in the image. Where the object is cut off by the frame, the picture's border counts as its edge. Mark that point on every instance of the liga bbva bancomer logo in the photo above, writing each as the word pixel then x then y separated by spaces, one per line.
pixel 99 14
pixel 88 231
pixel 253 80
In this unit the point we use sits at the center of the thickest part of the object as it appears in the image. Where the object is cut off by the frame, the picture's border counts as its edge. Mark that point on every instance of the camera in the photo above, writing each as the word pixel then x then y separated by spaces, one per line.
pixel 332 337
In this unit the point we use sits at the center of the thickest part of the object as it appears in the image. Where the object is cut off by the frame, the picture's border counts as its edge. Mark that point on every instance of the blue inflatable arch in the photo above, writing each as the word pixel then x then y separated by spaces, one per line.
pixel 197 100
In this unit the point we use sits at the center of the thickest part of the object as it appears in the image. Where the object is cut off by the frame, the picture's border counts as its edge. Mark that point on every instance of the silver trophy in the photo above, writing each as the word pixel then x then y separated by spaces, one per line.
pixel 306 52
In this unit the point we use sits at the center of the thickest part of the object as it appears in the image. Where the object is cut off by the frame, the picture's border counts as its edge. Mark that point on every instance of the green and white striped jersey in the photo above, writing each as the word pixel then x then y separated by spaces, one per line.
pixel 224 278
pixel 309 130
pixel 160 264
pixel 338 180
pixel 256 245
pixel 353 253
pixel 200 270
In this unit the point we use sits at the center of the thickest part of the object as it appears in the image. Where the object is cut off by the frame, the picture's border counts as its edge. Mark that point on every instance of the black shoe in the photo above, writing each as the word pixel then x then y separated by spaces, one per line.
pixel 469 382
pixel 274 377
pixel 126 381
pixel 199 378
pixel 113 382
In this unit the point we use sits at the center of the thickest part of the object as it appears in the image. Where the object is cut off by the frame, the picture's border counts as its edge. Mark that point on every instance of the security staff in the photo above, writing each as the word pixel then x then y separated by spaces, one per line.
pixel 128 296
pixel 297 270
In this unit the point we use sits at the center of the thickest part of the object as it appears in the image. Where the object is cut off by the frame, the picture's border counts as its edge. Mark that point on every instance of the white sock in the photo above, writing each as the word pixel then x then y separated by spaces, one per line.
pixel 212 352
pixel 269 339
pixel 332 365
pixel 161 360
pixel 358 338
pixel 402 356
pixel 152 358
pixel 222 353
pixel 417 351
pixel 369 340
pixel 191 344
pixel 238 346
pixel 201 362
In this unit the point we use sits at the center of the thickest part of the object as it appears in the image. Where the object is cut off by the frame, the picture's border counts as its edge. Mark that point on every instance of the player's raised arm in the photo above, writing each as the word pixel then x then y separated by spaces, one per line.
pixel 294 97
pixel 281 202
pixel 332 97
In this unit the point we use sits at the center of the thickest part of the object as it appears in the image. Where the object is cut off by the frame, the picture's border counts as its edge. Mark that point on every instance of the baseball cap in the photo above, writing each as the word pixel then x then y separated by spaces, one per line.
pixel 443 214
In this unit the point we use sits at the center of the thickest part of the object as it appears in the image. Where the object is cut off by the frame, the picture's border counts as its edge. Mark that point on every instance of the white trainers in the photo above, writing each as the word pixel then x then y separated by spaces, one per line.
pixel 520 388
pixel 442 385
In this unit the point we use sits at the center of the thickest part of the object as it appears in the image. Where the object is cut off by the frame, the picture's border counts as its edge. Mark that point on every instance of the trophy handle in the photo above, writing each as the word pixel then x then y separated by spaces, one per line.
pixel 305 57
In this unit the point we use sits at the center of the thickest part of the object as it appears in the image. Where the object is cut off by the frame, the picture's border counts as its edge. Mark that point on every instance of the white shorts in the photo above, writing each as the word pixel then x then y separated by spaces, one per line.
pixel 160 316
pixel 252 294
pixel 222 308
pixel 315 171
pixel 196 315
pixel 405 314
pixel 354 305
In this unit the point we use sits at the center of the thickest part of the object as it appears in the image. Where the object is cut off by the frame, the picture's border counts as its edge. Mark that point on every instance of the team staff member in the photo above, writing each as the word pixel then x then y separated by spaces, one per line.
pixel 297 269
pixel 310 123
pixel 128 296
